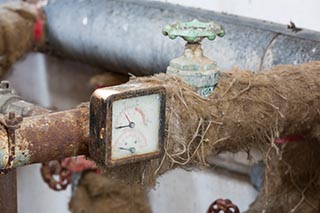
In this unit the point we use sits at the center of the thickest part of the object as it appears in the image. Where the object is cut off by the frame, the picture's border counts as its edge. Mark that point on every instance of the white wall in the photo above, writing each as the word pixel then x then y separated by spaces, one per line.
pixel 180 191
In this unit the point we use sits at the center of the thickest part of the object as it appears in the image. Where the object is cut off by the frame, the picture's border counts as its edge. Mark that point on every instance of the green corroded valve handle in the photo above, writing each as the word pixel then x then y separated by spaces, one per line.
pixel 194 31
pixel 193 67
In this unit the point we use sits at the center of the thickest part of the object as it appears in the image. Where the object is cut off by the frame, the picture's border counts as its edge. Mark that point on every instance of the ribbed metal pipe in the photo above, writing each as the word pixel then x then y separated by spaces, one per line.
pixel 126 36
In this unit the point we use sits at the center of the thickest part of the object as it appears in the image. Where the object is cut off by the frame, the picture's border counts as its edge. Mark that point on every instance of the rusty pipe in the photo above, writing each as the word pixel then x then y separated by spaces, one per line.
pixel 47 137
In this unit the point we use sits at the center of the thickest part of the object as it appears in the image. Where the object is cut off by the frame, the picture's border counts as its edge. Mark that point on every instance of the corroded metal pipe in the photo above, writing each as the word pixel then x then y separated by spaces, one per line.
pixel 47 137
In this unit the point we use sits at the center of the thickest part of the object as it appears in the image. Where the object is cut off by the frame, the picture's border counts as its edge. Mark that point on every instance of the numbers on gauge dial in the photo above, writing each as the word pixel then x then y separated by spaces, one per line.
pixel 135 127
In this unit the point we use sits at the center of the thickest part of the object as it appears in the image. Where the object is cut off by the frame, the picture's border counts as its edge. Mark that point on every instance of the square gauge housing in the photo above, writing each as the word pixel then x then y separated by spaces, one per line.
pixel 127 123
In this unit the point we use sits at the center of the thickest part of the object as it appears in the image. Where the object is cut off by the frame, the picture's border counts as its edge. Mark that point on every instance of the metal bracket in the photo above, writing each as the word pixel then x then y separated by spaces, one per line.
pixel 11 123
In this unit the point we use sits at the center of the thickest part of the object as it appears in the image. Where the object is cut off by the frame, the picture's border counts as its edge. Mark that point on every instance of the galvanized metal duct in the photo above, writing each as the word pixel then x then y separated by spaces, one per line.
pixel 125 36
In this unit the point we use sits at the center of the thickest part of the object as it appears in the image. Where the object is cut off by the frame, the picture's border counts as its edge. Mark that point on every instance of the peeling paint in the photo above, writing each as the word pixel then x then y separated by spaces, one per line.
pixel 4 149
pixel 22 157
pixel 46 137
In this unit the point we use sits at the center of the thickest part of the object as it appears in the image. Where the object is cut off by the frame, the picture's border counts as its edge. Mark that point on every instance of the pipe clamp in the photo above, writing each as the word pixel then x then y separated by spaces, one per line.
pixel 11 123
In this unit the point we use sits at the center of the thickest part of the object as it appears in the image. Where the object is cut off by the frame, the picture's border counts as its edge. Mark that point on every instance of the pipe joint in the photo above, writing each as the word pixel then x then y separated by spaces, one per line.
pixel 10 123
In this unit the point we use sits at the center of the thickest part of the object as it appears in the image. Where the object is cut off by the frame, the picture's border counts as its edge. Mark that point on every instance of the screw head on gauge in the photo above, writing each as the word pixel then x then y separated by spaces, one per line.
pixel 127 123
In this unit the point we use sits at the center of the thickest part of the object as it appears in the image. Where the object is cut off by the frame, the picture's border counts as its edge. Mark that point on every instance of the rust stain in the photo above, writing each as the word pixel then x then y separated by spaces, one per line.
pixel 4 148
pixel 53 136
pixel 46 136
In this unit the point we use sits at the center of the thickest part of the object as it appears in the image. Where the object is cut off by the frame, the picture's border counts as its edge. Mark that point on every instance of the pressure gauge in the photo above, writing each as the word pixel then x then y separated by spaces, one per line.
pixel 127 123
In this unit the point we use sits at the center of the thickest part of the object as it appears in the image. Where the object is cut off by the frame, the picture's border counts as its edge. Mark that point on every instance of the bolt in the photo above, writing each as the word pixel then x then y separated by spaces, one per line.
pixel 12 115
pixel 13 119
pixel 4 84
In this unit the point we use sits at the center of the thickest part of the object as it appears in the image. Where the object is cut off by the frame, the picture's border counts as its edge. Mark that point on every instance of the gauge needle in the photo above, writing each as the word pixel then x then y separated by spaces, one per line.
pixel 131 125
pixel 125 114
pixel 131 149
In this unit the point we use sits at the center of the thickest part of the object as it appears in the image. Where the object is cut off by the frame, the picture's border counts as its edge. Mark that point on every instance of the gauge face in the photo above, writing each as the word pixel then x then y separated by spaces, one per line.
pixel 127 123
pixel 135 126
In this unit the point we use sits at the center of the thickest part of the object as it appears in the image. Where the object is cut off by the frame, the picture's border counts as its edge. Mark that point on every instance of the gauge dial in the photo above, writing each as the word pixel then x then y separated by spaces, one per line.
pixel 127 123
pixel 135 126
